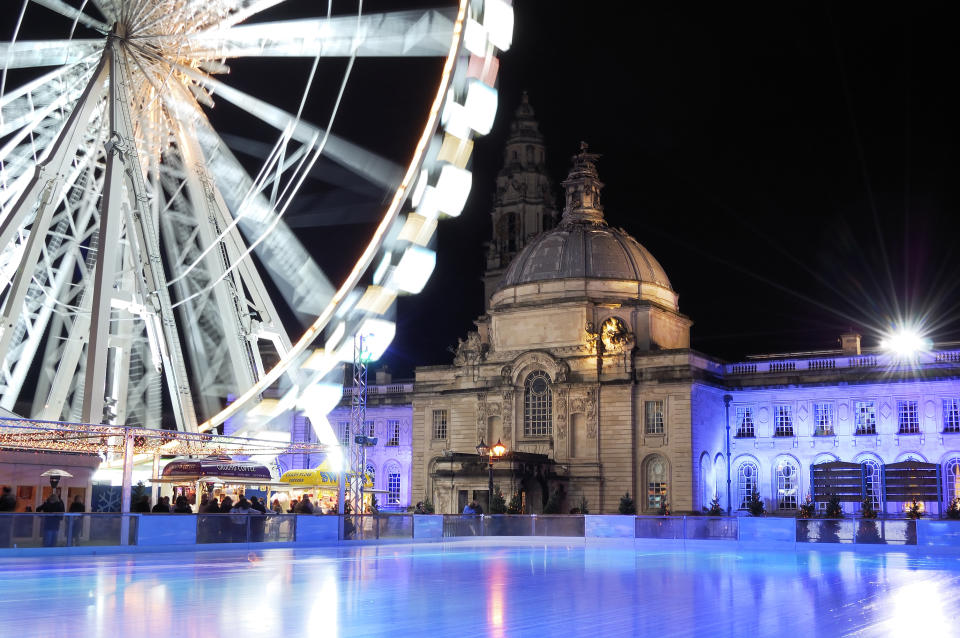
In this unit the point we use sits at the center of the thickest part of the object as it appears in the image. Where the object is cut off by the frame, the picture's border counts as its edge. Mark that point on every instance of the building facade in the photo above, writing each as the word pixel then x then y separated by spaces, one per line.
pixel 582 368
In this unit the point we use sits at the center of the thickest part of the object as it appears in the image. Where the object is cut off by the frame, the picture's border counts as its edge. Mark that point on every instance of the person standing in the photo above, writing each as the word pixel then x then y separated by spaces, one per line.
pixel 258 522
pixel 51 524
pixel 8 503
pixel 76 507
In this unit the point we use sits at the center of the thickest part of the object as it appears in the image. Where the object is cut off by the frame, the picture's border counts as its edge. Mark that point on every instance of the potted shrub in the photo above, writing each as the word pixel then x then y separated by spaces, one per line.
pixel 755 504
pixel 830 530
pixel 808 510
pixel 627 506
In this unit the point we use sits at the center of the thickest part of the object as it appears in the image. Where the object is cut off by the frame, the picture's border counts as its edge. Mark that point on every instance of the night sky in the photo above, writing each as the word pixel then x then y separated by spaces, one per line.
pixel 793 166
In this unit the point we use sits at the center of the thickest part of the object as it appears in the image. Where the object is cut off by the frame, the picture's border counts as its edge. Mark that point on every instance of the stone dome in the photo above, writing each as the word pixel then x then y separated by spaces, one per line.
pixel 584 251
pixel 584 247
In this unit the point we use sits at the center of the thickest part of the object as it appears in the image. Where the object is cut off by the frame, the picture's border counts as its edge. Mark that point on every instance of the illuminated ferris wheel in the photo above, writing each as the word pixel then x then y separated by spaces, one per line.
pixel 128 226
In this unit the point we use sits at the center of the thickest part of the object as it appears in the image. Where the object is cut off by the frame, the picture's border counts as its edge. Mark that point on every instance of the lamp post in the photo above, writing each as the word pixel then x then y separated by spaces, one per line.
pixel 492 453
pixel 726 408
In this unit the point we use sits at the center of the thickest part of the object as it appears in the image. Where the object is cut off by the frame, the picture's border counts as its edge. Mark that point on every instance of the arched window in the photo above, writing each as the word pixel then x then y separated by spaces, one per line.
pixel 871 467
pixel 788 484
pixel 537 405
pixel 508 233
pixel 707 490
pixel 392 471
pixel 657 482
pixel 720 478
pixel 747 475
pixel 951 479
pixel 911 456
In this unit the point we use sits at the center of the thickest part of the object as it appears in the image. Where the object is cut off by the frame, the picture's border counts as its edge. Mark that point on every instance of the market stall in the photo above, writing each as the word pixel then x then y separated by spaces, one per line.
pixel 321 485
pixel 216 475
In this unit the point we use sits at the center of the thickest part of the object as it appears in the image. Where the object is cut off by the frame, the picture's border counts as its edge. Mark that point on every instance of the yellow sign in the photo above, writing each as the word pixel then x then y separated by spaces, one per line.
pixel 320 477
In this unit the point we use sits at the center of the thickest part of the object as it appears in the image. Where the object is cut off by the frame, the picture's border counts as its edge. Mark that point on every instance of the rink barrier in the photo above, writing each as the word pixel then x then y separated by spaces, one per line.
pixel 96 532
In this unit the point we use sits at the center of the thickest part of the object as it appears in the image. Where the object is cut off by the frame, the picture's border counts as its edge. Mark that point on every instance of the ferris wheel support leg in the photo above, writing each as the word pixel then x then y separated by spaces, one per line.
pixel 40 196
pixel 103 280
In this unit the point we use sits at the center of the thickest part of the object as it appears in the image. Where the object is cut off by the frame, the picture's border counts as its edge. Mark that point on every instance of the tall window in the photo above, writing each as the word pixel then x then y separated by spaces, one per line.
pixel 951 479
pixel 871 471
pixel 951 415
pixel 783 420
pixel 439 424
pixel 654 417
pixel 745 421
pixel 788 481
pixel 537 405
pixel 746 482
pixel 865 417
pixel 823 419
pixel 393 431
pixel 907 417
pixel 393 484
pixel 344 433
pixel 656 482
pixel 371 428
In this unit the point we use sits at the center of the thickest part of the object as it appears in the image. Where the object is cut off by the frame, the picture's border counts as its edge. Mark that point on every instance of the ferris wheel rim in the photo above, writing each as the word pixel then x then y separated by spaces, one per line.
pixel 341 298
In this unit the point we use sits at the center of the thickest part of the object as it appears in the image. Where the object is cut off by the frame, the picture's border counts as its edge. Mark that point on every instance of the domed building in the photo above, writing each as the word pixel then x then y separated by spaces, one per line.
pixel 555 371
pixel 582 368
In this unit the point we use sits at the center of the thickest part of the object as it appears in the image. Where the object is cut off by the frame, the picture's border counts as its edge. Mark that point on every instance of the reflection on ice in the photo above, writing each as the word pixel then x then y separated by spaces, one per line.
pixel 455 589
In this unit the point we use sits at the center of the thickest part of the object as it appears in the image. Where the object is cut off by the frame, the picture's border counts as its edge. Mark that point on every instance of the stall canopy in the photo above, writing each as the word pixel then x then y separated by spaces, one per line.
pixel 216 467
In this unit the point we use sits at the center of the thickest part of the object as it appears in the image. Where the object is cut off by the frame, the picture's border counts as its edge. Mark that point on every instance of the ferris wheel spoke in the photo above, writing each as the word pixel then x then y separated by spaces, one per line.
pixel 38 53
pixel 74 14
pixel 376 169
pixel 395 34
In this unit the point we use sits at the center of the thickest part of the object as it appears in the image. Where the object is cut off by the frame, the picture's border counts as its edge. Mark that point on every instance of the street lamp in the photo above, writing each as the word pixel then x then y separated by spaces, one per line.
pixel 493 453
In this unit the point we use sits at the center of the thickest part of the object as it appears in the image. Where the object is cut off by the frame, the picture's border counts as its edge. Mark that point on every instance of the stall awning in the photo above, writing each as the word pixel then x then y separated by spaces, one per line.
pixel 319 477
pixel 216 467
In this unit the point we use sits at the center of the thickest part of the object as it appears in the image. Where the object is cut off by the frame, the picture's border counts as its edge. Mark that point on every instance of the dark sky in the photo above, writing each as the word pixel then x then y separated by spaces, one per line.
pixel 793 166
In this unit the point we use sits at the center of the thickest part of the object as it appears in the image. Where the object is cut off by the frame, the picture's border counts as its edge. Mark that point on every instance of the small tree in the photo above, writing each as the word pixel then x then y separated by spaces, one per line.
pixel 498 505
pixel 515 506
pixel 915 509
pixel 808 509
pixel 755 504
pixel 834 508
pixel 953 511
pixel 583 505
pixel 866 508
pixel 715 509
pixel 664 509
pixel 627 506
pixel 554 502
pixel 867 531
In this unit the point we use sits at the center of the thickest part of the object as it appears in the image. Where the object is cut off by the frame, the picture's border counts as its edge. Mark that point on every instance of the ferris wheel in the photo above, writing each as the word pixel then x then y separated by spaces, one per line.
pixel 128 226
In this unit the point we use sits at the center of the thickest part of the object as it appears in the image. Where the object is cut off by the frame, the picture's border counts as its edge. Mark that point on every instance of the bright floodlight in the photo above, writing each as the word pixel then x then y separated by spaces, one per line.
pixel 905 342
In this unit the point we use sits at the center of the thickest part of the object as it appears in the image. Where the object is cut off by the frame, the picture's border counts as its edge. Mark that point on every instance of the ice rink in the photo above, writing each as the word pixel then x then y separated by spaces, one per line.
pixel 458 589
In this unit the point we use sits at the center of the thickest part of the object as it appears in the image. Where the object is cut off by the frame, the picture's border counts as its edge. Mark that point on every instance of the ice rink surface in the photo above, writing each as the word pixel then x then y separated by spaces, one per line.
pixel 461 590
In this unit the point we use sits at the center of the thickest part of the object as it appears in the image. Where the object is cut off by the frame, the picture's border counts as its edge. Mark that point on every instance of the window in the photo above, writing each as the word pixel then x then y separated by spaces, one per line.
pixel 654 416
pixel 823 419
pixel 439 424
pixel 908 418
pixel 656 483
pixel 871 472
pixel 951 415
pixel 783 420
pixel 344 433
pixel 865 417
pixel 537 405
pixel 393 485
pixel 371 429
pixel 788 481
pixel 393 431
pixel 746 482
pixel 951 480
pixel 745 422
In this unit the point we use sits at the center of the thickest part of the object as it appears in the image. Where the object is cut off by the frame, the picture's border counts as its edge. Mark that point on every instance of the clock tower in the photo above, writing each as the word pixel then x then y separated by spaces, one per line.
pixel 523 204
